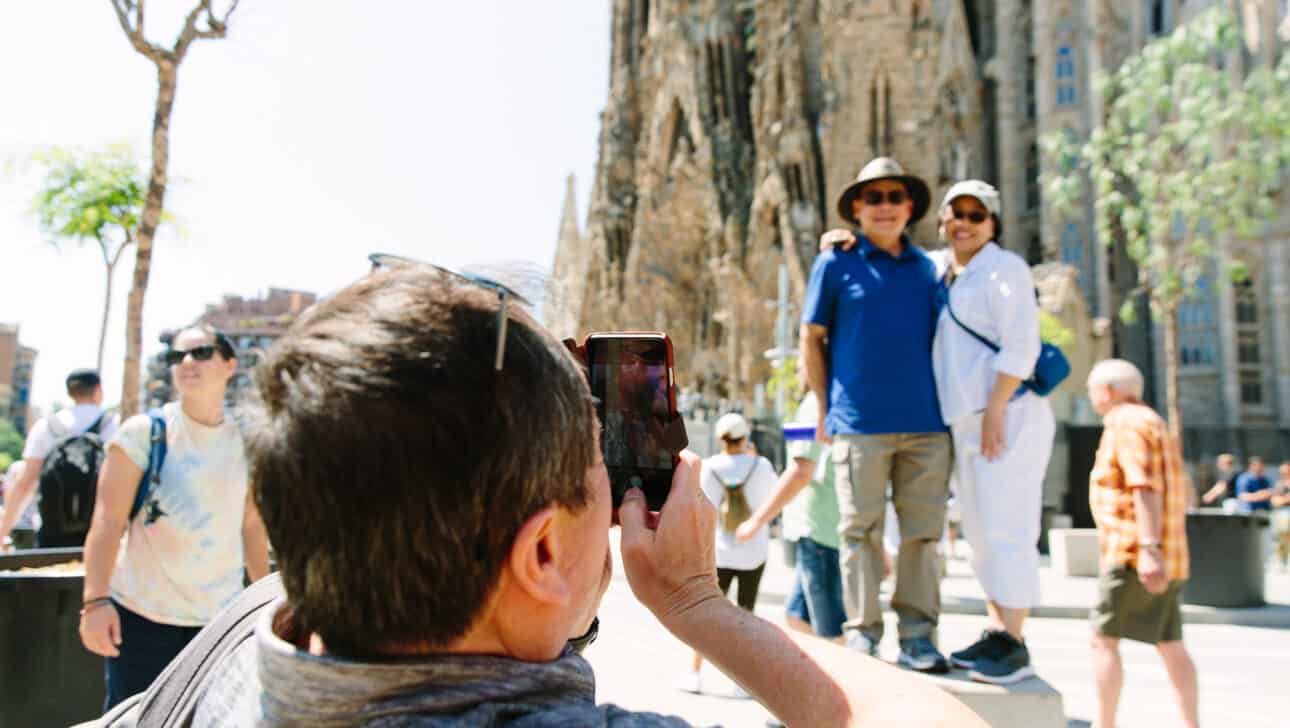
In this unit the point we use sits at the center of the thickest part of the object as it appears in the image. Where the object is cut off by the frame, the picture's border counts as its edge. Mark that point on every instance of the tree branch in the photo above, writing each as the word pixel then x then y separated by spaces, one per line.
pixel 215 27
pixel 135 33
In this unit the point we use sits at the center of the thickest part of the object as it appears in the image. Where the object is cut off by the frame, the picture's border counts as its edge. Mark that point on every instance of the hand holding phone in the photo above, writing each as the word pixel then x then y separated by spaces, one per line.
pixel 641 434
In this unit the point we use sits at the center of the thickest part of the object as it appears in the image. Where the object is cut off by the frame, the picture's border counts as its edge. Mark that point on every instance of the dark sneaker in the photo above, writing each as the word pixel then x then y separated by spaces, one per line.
pixel 987 646
pixel 920 654
pixel 1010 664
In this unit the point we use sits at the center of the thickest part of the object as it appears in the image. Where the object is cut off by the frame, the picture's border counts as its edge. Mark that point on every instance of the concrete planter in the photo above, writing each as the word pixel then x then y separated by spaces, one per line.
pixel 1074 551
pixel 46 677
pixel 1226 559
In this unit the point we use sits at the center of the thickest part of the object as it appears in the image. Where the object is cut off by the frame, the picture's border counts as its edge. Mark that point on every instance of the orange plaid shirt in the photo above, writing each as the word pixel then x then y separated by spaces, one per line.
pixel 1136 451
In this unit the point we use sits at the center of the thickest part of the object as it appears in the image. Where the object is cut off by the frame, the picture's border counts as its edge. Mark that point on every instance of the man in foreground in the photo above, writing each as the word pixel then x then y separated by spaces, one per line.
pixel 1137 495
pixel 438 559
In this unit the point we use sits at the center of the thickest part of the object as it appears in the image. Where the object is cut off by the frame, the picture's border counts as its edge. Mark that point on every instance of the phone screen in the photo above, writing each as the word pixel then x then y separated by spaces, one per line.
pixel 631 381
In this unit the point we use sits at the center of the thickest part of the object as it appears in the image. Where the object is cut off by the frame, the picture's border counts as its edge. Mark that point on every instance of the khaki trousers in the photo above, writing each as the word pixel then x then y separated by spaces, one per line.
pixel 918 467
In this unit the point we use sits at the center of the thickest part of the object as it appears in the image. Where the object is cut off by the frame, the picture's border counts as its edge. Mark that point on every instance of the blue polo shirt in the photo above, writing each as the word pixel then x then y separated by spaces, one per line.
pixel 881 313
pixel 1250 483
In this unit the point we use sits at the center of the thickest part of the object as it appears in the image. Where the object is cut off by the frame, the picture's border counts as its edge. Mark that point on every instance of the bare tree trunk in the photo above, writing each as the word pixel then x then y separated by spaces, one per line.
pixel 107 306
pixel 1173 411
pixel 167 76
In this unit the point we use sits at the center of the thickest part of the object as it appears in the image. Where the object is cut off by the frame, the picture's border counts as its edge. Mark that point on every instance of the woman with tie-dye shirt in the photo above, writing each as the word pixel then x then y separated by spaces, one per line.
pixel 185 550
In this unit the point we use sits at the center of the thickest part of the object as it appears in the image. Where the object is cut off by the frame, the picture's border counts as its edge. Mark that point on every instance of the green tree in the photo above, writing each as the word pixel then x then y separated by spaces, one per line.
pixel 1188 153
pixel 10 443
pixel 92 196
pixel 202 22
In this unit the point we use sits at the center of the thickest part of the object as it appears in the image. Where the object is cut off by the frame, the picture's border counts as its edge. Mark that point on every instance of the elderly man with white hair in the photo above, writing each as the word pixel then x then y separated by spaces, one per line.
pixel 1137 493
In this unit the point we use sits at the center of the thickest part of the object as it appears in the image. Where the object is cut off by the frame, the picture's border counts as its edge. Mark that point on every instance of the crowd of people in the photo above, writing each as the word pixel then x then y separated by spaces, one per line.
pixel 489 525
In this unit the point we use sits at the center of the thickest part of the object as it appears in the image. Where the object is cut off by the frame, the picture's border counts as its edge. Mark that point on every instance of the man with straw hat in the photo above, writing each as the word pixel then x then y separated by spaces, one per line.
pixel 867 325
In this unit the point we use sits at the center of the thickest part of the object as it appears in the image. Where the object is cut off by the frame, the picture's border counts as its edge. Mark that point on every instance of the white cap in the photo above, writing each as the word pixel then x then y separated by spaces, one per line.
pixel 982 192
pixel 732 426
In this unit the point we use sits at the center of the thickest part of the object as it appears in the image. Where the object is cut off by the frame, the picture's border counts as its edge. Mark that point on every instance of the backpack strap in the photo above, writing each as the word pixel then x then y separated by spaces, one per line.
pixel 172 698
pixel 97 423
pixel 988 344
pixel 753 469
pixel 151 477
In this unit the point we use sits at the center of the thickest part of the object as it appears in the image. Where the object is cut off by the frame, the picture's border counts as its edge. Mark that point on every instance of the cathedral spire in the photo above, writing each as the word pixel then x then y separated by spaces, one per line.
pixel 569 228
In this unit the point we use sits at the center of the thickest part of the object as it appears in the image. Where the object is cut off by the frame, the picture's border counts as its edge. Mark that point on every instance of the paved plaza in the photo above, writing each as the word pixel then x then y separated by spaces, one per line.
pixel 1244 671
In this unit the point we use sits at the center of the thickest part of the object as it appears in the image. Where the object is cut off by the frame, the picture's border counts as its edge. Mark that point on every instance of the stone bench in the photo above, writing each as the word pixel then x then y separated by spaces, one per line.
pixel 1073 551
pixel 1031 703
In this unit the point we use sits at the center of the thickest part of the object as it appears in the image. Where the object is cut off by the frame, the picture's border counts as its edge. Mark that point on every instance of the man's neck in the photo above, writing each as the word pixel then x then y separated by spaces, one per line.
pixel 891 245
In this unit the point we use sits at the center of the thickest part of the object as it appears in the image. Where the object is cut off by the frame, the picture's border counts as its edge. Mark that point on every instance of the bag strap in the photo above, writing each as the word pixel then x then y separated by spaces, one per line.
pixel 753 469
pixel 988 344
pixel 151 477
pixel 97 423
pixel 173 696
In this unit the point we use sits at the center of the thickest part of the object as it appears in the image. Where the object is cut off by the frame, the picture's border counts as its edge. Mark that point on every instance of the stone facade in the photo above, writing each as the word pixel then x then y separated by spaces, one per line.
pixel 732 126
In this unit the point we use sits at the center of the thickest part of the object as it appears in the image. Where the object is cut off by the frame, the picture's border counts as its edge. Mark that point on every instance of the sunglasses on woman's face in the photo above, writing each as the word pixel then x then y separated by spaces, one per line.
pixel 875 197
pixel 976 217
pixel 199 353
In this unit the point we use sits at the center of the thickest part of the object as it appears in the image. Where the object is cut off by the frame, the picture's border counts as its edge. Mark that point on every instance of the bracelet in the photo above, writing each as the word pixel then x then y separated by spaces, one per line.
pixel 1148 544
pixel 93 604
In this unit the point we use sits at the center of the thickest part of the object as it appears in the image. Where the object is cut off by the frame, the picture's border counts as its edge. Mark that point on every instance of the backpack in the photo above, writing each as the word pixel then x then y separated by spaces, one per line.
pixel 734 508
pixel 69 481
pixel 151 478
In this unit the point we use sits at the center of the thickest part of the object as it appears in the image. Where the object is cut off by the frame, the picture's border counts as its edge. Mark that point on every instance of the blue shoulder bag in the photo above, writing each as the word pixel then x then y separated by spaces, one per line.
pixel 156 458
pixel 1051 368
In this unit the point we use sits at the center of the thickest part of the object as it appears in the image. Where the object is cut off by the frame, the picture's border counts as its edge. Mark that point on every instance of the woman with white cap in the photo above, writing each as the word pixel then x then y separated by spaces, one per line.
pixel 1003 432
pixel 738 482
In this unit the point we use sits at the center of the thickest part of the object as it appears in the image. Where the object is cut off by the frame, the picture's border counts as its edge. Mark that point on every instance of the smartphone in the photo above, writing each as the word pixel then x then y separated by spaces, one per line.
pixel 631 378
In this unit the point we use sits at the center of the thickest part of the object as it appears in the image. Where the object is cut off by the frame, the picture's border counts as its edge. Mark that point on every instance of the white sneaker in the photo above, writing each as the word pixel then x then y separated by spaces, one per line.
pixel 862 644
pixel 739 693
pixel 689 682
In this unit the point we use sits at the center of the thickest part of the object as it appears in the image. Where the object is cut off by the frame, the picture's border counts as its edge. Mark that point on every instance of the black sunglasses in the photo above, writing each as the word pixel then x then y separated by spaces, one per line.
pixel 199 353
pixel 976 217
pixel 875 197
pixel 387 260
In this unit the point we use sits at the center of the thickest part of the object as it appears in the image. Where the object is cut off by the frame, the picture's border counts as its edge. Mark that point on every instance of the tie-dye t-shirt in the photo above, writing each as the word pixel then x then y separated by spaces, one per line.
pixel 182 558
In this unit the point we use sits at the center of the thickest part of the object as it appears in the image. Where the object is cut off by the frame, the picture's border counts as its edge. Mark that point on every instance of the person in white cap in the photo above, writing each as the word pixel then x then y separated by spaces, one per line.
pixel 737 482
pixel 1003 432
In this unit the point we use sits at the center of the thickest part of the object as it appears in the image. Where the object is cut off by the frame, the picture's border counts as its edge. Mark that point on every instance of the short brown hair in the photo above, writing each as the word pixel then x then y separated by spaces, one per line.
pixel 393 465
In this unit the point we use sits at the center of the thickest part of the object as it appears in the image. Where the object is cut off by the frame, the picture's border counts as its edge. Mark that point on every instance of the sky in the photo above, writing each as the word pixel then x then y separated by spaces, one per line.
pixel 314 134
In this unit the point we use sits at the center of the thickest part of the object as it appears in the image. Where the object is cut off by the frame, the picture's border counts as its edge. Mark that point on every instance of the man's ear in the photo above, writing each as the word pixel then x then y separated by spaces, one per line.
pixel 534 562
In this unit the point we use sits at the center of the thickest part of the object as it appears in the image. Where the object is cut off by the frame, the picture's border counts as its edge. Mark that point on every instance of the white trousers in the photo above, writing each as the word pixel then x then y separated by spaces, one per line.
pixel 1001 500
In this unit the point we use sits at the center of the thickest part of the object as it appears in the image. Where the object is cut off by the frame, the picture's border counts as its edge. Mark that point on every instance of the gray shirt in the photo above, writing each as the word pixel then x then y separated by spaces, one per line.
pixel 270 682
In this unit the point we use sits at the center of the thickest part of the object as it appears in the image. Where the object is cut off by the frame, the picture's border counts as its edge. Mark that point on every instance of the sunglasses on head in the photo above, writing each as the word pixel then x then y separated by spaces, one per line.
pixel 875 197
pixel 199 353
pixel 381 261
pixel 976 217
